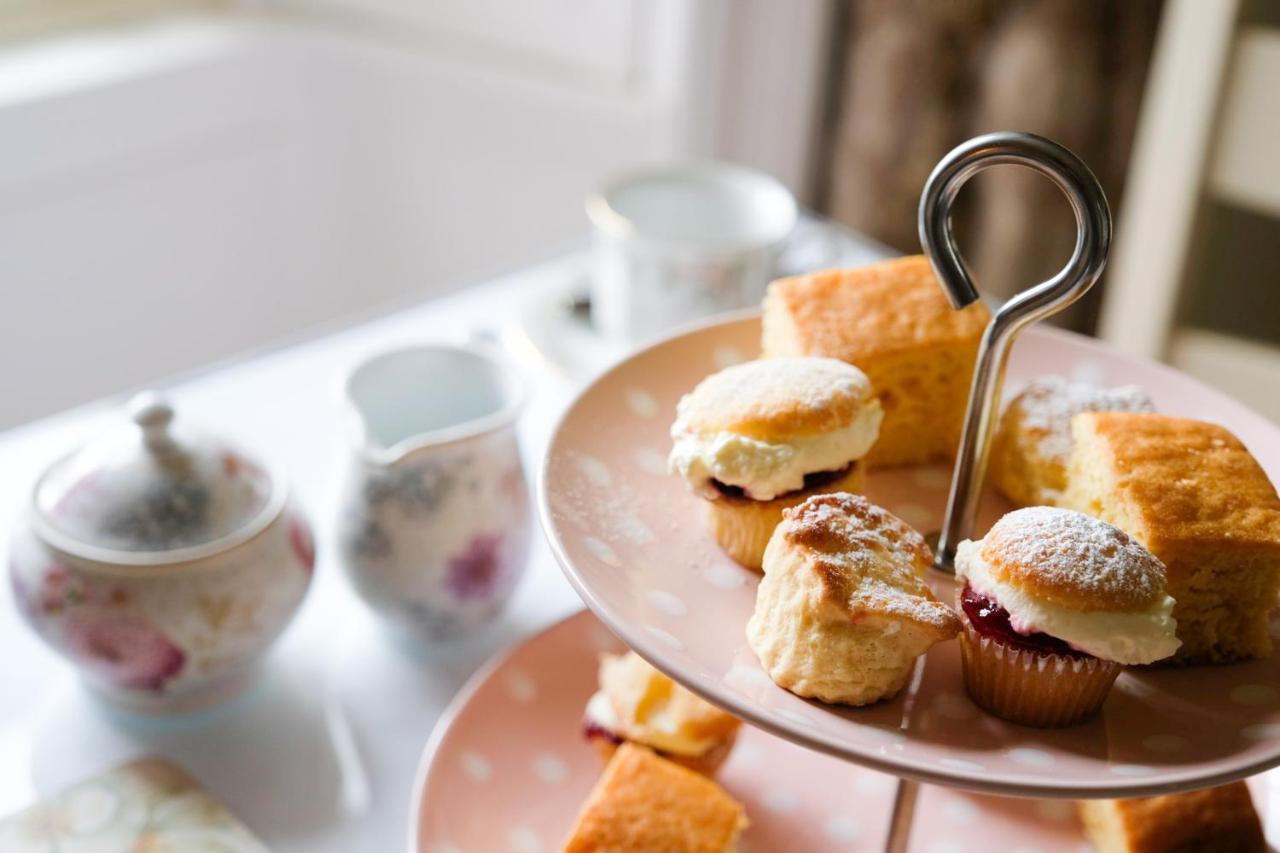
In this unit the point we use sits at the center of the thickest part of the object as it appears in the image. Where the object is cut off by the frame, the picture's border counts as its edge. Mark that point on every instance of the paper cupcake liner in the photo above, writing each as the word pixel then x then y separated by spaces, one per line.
pixel 743 526
pixel 1033 688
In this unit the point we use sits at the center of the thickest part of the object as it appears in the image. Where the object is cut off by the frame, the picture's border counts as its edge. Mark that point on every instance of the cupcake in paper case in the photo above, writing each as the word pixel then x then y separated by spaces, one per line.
pixel 761 437
pixel 1053 604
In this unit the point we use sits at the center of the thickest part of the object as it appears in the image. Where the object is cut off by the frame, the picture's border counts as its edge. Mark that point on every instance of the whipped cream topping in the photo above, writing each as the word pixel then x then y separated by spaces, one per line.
pixel 662 732
pixel 1126 637
pixel 765 469
pixel 600 711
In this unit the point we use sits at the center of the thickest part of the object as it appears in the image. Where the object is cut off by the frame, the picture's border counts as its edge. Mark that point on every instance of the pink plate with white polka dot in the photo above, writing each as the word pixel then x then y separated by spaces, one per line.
pixel 508 769
pixel 632 541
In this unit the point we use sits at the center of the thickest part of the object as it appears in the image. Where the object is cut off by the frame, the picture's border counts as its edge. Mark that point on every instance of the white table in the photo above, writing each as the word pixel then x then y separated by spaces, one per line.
pixel 321 755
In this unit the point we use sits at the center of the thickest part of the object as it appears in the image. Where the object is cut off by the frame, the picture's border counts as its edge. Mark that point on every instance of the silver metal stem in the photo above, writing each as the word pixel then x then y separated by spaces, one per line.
pixel 1093 239
pixel 904 809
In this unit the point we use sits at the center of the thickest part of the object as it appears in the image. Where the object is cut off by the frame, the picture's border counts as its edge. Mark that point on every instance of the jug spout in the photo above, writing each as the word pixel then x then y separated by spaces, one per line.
pixel 409 399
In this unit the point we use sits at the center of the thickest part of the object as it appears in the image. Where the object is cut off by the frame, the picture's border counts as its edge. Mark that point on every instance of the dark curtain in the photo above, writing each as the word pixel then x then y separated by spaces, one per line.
pixel 914 78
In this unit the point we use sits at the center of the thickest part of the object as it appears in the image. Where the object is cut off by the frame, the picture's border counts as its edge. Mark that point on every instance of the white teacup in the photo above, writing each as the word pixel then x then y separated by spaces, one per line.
pixel 434 521
pixel 679 242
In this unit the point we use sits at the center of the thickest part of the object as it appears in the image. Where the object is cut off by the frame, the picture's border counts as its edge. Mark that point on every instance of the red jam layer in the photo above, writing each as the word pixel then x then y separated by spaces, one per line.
pixel 592 730
pixel 816 480
pixel 991 620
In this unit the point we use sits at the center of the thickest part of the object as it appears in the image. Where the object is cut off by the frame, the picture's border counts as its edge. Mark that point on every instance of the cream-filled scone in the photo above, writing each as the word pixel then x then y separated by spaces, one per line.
pixel 762 436
pixel 637 703
pixel 1054 603
pixel 1032 445
pixel 843 610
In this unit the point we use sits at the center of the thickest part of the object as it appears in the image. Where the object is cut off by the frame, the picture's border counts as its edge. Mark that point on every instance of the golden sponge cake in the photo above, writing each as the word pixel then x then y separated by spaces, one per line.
pixel 1192 494
pixel 843 610
pixel 894 323
pixel 646 803
pixel 1220 819
pixel 1032 445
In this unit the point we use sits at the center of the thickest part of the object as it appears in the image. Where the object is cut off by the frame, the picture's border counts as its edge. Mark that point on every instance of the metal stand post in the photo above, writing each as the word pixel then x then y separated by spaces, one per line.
pixel 1093 238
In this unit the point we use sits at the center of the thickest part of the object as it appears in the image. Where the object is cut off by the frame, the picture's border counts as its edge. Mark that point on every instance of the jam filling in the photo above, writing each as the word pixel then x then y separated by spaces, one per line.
pixel 991 620
pixel 816 480
pixel 592 730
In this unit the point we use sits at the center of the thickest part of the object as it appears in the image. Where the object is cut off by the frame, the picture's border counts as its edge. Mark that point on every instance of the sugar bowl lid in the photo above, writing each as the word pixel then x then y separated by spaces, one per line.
pixel 152 491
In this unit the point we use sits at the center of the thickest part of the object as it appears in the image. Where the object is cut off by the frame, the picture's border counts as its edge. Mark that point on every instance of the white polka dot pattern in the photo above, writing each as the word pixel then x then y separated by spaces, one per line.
pixel 1261 731
pixel 945 846
pixel 550 768
pixel 960 811
pixel 523 840
pixel 650 461
pixel 641 403
pixel 603 552
pixel 668 639
pixel 596 472
pixel 476 767
pixel 724 577
pixel 782 801
pixel 727 356
pixel 521 687
pixel 843 829
pixel 1030 757
pixel 665 602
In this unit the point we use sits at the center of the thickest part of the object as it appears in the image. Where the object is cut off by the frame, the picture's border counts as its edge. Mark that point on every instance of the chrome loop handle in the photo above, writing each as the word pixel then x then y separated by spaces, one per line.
pixel 1093 239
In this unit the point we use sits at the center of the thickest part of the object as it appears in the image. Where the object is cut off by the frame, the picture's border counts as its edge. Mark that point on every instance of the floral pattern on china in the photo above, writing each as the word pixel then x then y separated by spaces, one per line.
pixel 160 562
pixel 434 524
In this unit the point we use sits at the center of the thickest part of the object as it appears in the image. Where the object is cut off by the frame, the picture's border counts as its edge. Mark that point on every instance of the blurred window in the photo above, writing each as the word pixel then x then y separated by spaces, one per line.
pixel 23 19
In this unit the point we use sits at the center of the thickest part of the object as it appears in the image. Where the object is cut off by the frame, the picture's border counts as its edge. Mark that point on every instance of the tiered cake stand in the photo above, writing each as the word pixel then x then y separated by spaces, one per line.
pixel 631 540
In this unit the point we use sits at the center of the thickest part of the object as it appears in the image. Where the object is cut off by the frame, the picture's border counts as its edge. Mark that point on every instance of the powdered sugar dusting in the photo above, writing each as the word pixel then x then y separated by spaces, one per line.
pixel 826 389
pixel 1047 405
pixel 868 559
pixel 1076 554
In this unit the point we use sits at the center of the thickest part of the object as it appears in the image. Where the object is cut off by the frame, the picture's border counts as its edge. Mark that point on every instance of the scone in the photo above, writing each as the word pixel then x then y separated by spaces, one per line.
pixel 893 322
pixel 843 610
pixel 1054 603
pixel 1191 493
pixel 762 436
pixel 637 703
pixel 1222 820
pixel 646 803
pixel 1032 445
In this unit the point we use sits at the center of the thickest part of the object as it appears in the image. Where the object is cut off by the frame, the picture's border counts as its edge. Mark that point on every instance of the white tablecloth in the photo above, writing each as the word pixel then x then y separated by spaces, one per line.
pixel 321 755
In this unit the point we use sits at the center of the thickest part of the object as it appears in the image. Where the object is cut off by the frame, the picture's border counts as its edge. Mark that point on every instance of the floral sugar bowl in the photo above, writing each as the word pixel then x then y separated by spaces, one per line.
pixel 161 562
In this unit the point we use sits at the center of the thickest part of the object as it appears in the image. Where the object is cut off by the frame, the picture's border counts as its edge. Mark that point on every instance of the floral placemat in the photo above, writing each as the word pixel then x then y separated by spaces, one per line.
pixel 146 806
